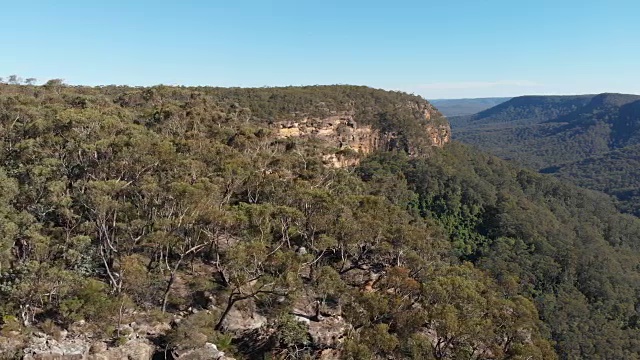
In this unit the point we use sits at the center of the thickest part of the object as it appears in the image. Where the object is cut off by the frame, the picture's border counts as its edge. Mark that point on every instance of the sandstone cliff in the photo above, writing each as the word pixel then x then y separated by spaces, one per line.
pixel 350 135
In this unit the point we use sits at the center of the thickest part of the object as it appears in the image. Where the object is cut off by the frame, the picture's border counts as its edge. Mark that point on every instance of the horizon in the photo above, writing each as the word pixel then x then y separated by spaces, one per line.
pixel 41 82
pixel 438 51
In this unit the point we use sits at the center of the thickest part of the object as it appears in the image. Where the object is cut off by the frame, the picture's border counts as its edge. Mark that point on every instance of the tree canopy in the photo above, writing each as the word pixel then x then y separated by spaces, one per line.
pixel 122 204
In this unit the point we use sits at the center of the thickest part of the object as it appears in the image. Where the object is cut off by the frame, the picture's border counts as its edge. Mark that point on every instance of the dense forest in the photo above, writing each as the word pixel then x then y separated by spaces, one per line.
pixel 589 139
pixel 615 172
pixel 181 216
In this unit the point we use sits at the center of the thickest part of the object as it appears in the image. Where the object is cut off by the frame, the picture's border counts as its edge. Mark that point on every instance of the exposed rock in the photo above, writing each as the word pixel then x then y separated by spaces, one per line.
pixel 44 348
pixel 302 319
pixel 440 135
pixel 127 330
pixel 288 132
pixel 208 352
pixel 137 349
pixel 328 332
pixel 97 348
pixel 301 250
pixel 238 320
pixel 344 133
pixel 10 346
pixel 81 327
pixel 339 130
pixel 150 330
pixel 337 161
pixel 329 354
pixel 308 306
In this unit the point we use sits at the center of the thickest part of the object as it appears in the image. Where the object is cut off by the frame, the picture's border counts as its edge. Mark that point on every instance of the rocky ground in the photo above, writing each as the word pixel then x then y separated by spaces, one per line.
pixel 148 340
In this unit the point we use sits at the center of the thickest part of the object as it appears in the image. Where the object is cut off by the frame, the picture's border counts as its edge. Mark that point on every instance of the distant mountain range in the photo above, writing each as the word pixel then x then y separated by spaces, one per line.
pixel 462 107
pixel 592 140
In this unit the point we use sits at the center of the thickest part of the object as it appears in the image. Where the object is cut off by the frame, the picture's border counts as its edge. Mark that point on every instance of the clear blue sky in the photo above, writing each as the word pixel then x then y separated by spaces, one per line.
pixel 438 49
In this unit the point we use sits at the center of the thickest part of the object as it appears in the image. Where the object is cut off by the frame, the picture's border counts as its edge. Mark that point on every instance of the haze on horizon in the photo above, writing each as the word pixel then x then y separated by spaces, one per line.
pixel 454 49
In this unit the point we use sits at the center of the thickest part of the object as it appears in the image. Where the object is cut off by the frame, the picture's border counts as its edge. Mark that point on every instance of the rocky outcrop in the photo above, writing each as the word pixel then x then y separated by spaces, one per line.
pixel 329 332
pixel 347 139
pixel 240 320
pixel 10 345
pixel 138 349
pixel 439 135
pixel 208 352
pixel 47 348
pixel 341 131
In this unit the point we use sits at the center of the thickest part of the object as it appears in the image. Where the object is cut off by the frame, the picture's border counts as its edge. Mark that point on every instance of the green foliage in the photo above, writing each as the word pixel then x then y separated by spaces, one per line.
pixel 89 302
pixel 118 199
pixel 615 172
pixel 10 324
pixel 51 329
pixel 194 331
pixel 538 238
pixel 379 340
pixel 290 333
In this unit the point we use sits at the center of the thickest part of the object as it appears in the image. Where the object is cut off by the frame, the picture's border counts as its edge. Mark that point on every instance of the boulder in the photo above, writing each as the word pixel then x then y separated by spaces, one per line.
pixel 328 332
pixel 208 352
pixel 136 349
pixel 45 348
pixel 302 319
pixel 329 354
pixel 238 320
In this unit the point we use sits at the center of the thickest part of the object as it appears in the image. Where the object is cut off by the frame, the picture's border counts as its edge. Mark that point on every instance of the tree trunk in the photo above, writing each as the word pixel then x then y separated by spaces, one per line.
pixel 167 291
pixel 172 278
pixel 230 302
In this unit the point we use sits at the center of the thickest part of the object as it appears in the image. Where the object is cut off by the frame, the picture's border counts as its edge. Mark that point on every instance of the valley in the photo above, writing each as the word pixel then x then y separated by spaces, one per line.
pixel 590 140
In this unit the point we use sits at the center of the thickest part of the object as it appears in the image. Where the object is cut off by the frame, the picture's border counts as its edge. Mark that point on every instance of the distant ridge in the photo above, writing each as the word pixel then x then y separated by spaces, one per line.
pixel 469 106
pixel 568 136
pixel 532 108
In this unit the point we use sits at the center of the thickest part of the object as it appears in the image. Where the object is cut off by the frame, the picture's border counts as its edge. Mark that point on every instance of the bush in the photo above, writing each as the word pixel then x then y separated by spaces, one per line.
pixel 91 302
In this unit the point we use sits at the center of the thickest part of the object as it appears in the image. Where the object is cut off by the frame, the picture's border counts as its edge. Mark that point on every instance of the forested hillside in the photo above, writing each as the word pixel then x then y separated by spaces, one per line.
pixel 301 222
pixel 574 133
pixel 616 172
pixel 564 247
pixel 528 109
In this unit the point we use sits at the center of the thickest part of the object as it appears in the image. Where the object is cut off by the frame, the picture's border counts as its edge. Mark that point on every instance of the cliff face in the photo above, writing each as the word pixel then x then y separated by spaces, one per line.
pixel 439 135
pixel 341 131
pixel 437 129
pixel 347 139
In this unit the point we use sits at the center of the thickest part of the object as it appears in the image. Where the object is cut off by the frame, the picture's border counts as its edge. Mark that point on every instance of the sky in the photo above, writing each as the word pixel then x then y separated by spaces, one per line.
pixel 437 49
